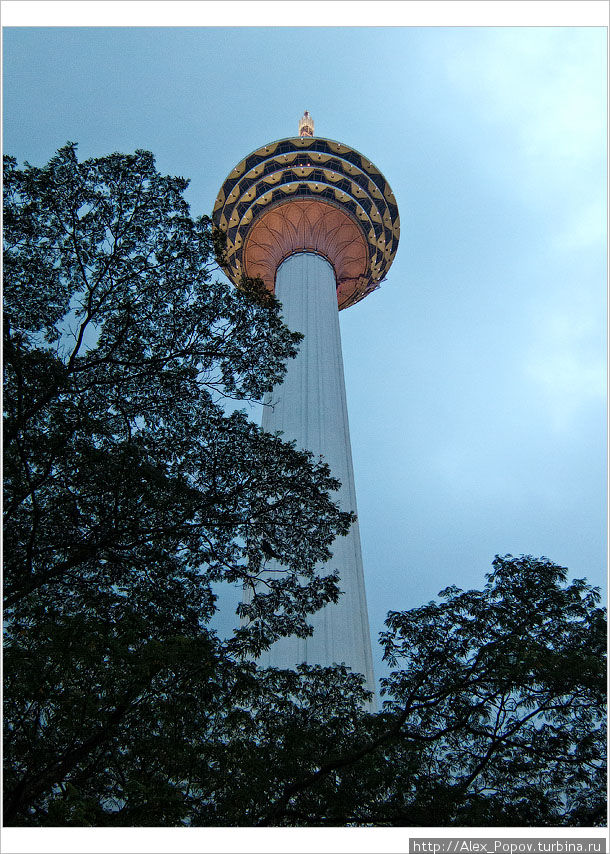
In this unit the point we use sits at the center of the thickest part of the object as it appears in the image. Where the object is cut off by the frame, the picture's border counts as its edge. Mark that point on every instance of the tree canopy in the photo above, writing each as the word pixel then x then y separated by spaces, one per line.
pixel 131 490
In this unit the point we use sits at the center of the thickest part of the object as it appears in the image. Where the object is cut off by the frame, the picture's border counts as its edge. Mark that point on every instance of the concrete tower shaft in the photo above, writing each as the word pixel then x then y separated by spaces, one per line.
pixel 310 407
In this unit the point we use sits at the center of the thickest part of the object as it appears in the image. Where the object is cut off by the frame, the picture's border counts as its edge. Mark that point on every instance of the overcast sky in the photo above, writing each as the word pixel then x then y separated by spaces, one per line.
pixel 476 374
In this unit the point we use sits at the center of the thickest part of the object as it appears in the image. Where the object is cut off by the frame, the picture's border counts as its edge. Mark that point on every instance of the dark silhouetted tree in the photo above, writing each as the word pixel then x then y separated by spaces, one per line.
pixel 128 489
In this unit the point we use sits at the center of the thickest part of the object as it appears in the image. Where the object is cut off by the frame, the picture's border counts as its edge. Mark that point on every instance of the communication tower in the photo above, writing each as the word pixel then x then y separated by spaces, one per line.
pixel 318 223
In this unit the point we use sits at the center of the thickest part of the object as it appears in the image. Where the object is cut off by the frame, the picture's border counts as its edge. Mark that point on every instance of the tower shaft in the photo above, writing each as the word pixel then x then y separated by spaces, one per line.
pixel 310 408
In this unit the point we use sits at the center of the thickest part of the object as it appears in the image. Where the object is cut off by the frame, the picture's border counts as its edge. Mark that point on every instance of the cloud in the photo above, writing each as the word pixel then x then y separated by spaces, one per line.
pixel 540 93
pixel 545 85
pixel 585 227
pixel 565 364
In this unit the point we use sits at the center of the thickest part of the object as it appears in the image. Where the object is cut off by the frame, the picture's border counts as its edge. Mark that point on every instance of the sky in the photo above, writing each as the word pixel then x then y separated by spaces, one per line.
pixel 476 374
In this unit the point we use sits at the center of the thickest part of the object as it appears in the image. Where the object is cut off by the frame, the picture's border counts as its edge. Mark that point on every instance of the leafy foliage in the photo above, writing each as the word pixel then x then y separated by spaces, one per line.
pixel 495 716
pixel 508 684
pixel 130 491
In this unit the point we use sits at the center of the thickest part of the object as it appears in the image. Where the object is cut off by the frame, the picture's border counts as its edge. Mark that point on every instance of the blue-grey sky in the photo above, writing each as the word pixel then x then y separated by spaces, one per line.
pixel 476 374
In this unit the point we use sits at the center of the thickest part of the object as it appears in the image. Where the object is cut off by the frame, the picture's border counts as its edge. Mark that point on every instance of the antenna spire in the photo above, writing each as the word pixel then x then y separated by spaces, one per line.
pixel 306 125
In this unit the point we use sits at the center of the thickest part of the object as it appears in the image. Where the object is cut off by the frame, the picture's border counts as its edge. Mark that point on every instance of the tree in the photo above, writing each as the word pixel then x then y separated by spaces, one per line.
pixel 495 716
pixel 130 491
pixel 502 694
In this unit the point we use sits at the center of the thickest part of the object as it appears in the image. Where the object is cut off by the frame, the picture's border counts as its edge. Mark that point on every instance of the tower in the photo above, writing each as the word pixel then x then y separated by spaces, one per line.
pixel 318 223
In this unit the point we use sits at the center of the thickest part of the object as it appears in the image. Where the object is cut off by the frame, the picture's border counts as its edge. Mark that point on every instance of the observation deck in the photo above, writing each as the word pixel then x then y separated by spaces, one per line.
pixel 309 194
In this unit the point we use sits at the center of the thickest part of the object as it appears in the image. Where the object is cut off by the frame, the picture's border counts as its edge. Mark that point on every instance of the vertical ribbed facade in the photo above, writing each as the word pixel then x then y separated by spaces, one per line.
pixel 310 408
